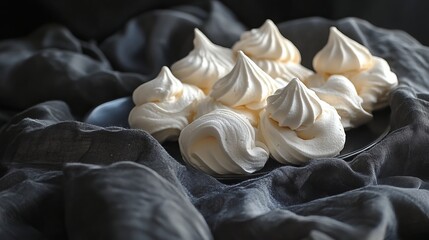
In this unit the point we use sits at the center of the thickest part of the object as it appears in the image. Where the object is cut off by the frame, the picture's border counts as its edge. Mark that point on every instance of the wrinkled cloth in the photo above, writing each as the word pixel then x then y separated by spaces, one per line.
pixel 62 178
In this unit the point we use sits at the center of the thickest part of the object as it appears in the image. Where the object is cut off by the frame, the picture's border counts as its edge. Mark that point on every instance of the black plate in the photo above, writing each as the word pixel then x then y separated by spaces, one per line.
pixel 115 113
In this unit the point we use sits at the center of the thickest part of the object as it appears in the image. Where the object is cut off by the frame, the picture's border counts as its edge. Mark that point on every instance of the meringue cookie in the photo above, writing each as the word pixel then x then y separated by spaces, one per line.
pixel 318 131
pixel 339 92
pixel 246 85
pixel 341 54
pixel 222 142
pixel 205 64
pixel 164 106
pixel 294 106
pixel 272 52
pixel 374 84
pixel 165 87
pixel 267 42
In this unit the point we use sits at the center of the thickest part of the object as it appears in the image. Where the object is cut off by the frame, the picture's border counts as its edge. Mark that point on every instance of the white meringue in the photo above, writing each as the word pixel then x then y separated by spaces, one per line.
pixel 205 64
pixel 294 106
pixel 222 142
pixel 339 92
pixel 267 42
pixel 284 71
pixel 315 80
pixel 208 104
pixel 319 132
pixel 164 106
pixel 246 85
pixel 374 84
pixel 165 87
pixel 370 75
pixel 341 54
pixel 272 52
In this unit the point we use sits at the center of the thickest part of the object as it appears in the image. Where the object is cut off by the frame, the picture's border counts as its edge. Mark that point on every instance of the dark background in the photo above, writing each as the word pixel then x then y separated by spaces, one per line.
pixel 96 19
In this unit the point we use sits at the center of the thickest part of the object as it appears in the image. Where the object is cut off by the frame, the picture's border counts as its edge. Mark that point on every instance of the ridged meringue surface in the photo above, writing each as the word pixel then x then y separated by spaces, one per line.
pixel 222 142
pixel 267 42
pixel 339 92
pixel 375 84
pixel 324 138
pixel 246 85
pixel 165 87
pixel 164 106
pixel 205 64
pixel 208 104
pixel 285 71
pixel 341 54
pixel 294 106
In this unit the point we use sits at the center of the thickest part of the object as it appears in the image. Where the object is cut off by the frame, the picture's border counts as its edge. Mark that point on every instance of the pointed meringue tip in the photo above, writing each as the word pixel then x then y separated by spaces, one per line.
pixel 296 83
pixel 295 79
pixel 240 54
pixel 269 26
pixel 200 38
pixel 242 57
pixel 197 32
pixel 165 71
pixel 269 22
pixel 334 30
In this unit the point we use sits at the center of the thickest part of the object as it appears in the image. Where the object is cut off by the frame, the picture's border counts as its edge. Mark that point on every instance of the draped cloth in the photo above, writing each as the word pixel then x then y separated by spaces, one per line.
pixel 62 178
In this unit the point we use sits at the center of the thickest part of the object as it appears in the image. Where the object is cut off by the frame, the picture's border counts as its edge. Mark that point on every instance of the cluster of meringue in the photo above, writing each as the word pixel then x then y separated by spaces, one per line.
pixel 231 109
pixel 351 79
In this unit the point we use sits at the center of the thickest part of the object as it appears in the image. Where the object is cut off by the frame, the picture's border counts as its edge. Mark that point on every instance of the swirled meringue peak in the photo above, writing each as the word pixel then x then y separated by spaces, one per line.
pixel 246 85
pixel 222 142
pixel 294 106
pixel 165 87
pixel 375 84
pixel 341 54
pixel 340 93
pixel 267 42
pixel 295 134
pixel 205 64
pixel 164 106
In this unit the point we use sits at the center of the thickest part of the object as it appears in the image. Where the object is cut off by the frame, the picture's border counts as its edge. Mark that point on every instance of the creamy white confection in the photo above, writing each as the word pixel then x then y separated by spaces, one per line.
pixel 318 130
pixel 375 84
pixel 370 75
pixel 340 93
pixel 164 106
pixel 208 104
pixel 165 87
pixel 284 71
pixel 315 80
pixel 245 86
pixel 341 54
pixel 294 106
pixel 268 43
pixel 272 52
pixel 205 64
pixel 222 142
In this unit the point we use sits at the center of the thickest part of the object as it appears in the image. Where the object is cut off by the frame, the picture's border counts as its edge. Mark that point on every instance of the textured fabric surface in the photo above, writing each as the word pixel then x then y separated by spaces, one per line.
pixel 61 178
